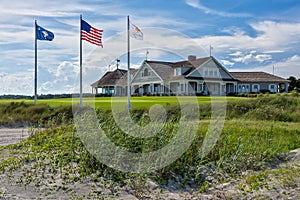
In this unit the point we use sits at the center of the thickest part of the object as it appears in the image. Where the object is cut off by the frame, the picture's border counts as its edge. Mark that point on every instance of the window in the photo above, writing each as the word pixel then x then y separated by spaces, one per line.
pixel 255 88
pixel 177 71
pixel 200 88
pixel 244 88
pixel 273 88
pixel 146 71
pixel 216 73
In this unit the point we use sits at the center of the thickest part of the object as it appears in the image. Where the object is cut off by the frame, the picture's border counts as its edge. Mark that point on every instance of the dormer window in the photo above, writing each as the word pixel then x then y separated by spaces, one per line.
pixel 146 72
pixel 177 71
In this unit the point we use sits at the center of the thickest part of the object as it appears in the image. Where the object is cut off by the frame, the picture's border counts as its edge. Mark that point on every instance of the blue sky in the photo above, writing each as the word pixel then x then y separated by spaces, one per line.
pixel 249 35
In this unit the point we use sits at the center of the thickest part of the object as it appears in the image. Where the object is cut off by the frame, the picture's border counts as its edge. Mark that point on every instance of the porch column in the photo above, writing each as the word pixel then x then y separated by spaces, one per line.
pixel 151 88
pixel 186 88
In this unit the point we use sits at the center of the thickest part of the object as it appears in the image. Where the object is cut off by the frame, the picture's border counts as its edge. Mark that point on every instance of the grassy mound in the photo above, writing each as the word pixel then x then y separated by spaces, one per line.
pixel 23 114
pixel 256 133
pixel 274 108
pixel 243 145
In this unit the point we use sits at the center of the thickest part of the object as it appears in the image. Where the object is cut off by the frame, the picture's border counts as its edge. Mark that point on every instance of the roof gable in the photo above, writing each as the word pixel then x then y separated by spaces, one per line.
pixel 209 67
pixel 152 76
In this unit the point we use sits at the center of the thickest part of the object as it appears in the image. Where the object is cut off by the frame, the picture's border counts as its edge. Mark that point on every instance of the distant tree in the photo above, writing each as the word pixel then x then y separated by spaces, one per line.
pixel 298 84
pixel 293 83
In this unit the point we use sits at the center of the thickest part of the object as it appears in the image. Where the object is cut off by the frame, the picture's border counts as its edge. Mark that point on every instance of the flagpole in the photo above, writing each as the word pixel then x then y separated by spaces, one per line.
pixel 35 65
pixel 128 66
pixel 80 63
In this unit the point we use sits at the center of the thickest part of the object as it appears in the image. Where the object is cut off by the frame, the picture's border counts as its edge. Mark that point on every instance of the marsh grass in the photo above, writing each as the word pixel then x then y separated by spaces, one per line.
pixel 22 114
pixel 273 108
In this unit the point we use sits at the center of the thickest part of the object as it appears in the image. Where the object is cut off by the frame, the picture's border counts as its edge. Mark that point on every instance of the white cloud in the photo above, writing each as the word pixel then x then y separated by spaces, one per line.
pixel 234 31
pixel 2 74
pixel 263 57
pixel 65 69
pixel 245 59
pixel 272 36
pixel 251 57
pixel 283 68
pixel 274 51
pixel 197 4
pixel 17 83
pixel 227 63
pixel 237 53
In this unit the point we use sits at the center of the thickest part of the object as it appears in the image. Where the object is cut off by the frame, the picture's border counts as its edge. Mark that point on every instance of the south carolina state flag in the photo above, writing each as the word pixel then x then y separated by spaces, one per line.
pixel 43 34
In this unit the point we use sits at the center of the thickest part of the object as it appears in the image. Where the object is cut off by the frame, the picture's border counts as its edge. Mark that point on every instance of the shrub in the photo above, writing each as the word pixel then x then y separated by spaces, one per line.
pixel 278 108
pixel 295 93
pixel 22 114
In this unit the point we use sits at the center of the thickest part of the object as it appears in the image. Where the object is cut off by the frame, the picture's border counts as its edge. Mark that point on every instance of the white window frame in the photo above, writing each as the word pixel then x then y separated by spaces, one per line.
pixel 244 88
pixel 258 88
pixel 275 88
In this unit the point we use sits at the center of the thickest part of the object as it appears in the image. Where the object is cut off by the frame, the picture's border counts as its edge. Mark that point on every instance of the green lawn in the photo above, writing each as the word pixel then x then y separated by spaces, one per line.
pixel 137 102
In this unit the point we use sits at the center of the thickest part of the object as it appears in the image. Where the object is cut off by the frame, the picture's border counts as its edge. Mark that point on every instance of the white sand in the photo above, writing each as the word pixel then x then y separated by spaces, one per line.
pixel 12 135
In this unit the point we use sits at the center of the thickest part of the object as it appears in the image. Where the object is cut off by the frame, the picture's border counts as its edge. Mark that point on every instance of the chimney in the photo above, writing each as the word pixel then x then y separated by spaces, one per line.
pixel 191 58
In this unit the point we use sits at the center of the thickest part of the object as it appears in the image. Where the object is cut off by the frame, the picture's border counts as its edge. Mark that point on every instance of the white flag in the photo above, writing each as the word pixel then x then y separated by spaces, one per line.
pixel 135 32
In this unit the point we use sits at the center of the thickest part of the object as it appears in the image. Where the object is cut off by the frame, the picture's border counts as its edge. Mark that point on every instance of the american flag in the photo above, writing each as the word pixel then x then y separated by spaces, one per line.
pixel 91 34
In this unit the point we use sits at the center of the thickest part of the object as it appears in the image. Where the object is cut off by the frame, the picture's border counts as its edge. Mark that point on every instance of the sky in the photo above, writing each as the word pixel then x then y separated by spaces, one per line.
pixel 248 35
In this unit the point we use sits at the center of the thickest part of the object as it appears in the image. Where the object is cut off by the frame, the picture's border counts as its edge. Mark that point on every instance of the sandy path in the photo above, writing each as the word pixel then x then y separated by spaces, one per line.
pixel 12 135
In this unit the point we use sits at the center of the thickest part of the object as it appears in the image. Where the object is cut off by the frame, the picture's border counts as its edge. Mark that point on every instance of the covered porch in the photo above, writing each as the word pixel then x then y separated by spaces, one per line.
pixel 110 90
pixel 149 88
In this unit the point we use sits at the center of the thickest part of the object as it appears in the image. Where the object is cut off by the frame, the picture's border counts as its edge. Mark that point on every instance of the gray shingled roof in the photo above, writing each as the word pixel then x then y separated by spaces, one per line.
pixel 252 77
pixel 163 69
pixel 123 79
pixel 111 77
pixel 200 61
pixel 166 69
pixel 116 77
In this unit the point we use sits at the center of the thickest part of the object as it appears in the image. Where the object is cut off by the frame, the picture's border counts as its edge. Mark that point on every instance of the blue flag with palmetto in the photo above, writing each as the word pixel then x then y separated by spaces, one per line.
pixel 43 34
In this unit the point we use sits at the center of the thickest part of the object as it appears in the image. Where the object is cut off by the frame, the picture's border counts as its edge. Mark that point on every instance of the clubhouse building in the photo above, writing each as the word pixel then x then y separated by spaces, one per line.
pixel 200 76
